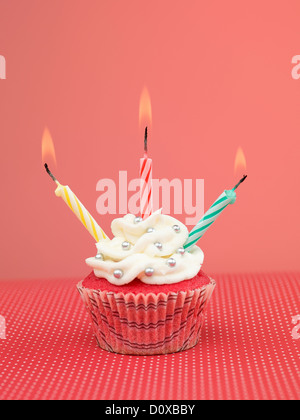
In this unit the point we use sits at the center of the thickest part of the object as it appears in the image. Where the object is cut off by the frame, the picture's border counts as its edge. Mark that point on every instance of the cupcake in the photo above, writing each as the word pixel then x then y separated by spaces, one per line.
pixel 146 295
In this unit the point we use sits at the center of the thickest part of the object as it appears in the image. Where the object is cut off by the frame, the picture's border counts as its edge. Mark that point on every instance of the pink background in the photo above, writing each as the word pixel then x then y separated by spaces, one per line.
pixel 219 76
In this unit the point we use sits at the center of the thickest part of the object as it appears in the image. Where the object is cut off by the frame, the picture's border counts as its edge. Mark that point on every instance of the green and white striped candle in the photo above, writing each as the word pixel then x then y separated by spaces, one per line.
pixel 227 197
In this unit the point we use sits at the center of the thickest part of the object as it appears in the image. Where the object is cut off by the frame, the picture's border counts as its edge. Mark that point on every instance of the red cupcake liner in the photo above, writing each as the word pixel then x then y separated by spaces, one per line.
pixel 147 324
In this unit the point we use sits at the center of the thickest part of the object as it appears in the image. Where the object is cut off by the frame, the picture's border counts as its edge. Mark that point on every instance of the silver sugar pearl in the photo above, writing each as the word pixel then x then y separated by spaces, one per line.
pixel 99 256
pixel 181 251
pixel 138 219
pixel 176 228
pixel 149 271
pixel 158 245
pixel 126 245
pixel 118 274
pixel 171 262
pixel 150 230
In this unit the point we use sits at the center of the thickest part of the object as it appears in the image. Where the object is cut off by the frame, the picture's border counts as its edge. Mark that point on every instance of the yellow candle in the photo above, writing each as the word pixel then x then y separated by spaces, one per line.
pixel 78 209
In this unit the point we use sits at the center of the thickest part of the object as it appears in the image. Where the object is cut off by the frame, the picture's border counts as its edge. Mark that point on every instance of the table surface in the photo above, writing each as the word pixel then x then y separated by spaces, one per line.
pixel 249 346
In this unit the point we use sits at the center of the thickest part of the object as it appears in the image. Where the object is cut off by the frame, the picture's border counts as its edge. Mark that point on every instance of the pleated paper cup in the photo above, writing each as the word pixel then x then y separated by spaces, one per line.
pixel 147 324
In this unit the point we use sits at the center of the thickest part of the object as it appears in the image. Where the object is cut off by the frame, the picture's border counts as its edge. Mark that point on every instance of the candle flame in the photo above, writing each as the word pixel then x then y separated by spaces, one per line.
pixel 48 151
pixel 145 112
pixel 240 161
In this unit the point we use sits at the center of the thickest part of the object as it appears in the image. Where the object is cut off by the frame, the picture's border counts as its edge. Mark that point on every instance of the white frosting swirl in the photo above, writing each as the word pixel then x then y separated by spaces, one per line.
pixel 144 252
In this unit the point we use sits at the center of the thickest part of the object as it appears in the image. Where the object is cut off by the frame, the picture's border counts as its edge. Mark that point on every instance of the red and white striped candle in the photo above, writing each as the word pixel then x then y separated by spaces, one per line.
pixel 146 181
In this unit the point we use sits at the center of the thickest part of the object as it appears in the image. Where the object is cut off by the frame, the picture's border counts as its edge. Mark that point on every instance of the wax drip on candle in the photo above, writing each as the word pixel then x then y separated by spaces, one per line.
pixel 146 142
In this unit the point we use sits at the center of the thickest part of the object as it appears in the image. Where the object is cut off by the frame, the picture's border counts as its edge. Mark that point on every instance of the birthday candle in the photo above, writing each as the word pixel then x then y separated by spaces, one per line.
pixel 146 182
pixel 78 209
pixel 227 197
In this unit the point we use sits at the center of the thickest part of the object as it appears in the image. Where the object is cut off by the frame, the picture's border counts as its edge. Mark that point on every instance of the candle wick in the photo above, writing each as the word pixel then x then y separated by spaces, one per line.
pixel 50 173
pixel 146 141
pixel 239 183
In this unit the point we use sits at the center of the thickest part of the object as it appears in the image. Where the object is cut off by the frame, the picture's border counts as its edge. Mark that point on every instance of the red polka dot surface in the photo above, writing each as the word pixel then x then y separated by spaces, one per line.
pixel 249 347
